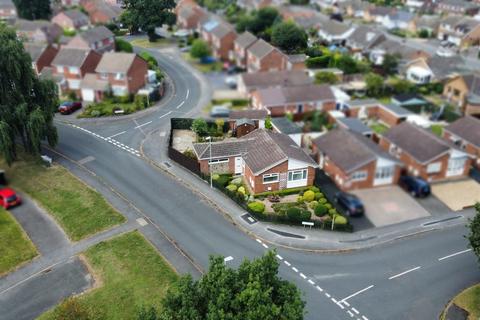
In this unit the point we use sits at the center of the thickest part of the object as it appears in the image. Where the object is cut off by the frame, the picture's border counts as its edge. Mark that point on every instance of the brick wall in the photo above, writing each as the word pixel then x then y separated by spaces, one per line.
pixel 222 51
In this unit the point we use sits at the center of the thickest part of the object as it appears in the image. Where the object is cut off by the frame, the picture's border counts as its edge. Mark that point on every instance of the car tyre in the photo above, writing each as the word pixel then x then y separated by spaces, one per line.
pixel 413 193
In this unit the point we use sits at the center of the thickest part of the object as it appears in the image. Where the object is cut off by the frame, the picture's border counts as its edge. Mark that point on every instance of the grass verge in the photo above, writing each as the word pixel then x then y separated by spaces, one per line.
pixel 144 43
pixel 469 300
pixel 203 67
pixel 16 248
pixel 132 275
pixel 80 210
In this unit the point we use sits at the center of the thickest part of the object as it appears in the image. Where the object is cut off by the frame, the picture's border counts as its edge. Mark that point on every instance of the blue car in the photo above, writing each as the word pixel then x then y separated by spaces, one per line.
pixel 351 203
pixel 416 186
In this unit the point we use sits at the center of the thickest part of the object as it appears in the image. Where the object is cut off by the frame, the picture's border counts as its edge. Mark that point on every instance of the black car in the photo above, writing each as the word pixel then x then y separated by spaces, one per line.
pixel 416 186
pixel 351 203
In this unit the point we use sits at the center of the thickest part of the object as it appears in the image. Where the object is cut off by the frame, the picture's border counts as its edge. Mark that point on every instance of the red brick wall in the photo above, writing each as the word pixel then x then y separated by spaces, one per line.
pixel 46 58
pixel 137 75
pixel 90 63
pixel 469 148
pixel 273 61
pixel 226 45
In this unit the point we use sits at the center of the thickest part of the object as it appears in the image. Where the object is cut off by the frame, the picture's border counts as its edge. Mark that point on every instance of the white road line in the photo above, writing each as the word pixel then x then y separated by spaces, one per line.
pixel 303 276
pixel 357 293
pixel 188 93
pixel 351 314
pixel 311 282
pixel 355 310
pixel 454 254
pixel 287 263
pixel 141 125
pixel 327 294
pixel 117 134
pixel 364 318
pixel 341 306
pixel 319 289
pixel 403 273
pixel 166 114
pixel 264 245
pixel 334 301
pixel 294 269
pixel 181 104
pixel 229 258
pixel 345 303
pixel 258 240
pixel 279 257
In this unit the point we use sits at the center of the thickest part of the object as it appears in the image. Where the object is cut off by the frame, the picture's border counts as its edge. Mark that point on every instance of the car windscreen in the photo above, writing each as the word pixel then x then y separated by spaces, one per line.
pixel 11 198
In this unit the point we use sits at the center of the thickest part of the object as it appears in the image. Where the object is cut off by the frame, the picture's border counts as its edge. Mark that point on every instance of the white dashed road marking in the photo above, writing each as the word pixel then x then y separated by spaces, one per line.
pixel 454 254
pixel 86 160
pixel 166 114
pixel 303 276
pixel 142 222
pixel 144 124
pixel 181 104
pixel 294 269
pixel 357 293
pixel 229 258
pixel 403 273
pixel 117 134
pixel 311 282
pixel 279 257
pixel 287 263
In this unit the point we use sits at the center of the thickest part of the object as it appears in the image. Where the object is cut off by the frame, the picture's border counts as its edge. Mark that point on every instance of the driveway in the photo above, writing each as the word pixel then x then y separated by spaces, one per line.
pixel 390 205
pixel 457 194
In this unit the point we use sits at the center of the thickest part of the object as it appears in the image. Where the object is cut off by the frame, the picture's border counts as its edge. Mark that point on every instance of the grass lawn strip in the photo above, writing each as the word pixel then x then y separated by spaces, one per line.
pixel 132 275
pixel 80 210
pixel 16 248
pixel 469 300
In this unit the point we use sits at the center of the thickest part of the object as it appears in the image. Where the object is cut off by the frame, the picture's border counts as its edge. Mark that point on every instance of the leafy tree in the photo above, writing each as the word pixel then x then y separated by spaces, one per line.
pixel 254 291
pixel 268 123
pixel 474 235
pixel 390 64
pixel 147 15
pixel 33 9
pixel 299 2
pixel 325 77
pixel 424 34
pixel 318 62
pixel 374 84
pixel 147 314
pixel 289 37
pixel 259 21
pixel 27 104
pixel 200 127
pixel 402 86
pixel 220 123
pixel 123 46
pixel 200 49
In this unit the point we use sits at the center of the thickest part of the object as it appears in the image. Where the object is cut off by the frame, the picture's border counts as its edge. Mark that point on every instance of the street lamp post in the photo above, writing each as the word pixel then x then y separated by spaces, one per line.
pixel 210 160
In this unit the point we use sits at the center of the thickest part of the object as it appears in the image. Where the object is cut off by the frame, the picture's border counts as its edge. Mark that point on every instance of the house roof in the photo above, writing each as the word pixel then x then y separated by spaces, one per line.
pixel 403 16
pixel 260 49
pixel 333 27
pixel 419 143
pixel 96 34
pixel 243 121
pixel 408 98
pixel 113 62
pixel 35 50
pixel 245 40
pixel 266 79
pixel 381 10
pixel 284 95
pixel 467 128
pixel 472 82
pixel 222 29
pixel 71 57
pixel 297 58
pixel 221 149
pixel 28 25
pixel 355 125
pixel 397 110
pixel 459 3
pixel 252 114
pixel 284 125
pixel 349 150
pixel 90 81
pixel 75 15
pixel 364 36
pixel 443 67
pixel 363 103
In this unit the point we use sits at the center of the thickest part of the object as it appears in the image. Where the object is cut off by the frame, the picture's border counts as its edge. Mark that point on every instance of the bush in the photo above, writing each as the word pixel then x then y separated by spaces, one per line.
pixel 222 181
pixel 257 206
pixel 191 154
pixel 241 190
pixel 322 200
pixel 123 46
pixel 332 212
pixel 232 187
pixel 328 206
pixel 320 210
pixel 314 189
pixel 313 204
pixel 215 177
pixel 309 196
pixel 141 102
pixel 319 195
pixel 340 220
pixel 237 181
pixel 296 214
pixel 300 199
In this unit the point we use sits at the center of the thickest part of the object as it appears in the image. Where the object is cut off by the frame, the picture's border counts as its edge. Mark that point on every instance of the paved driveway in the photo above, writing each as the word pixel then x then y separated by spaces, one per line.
pixel 457 194
pixel 390 205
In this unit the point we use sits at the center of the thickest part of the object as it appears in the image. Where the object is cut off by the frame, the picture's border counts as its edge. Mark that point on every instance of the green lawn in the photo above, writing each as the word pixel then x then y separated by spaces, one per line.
pixel 106 108
pixel 205 68
pixel 379 128
pixel 16 247
pixel 144 43
pixel 470 301
pixel 80 210
pixel 437 129
pixel 131 275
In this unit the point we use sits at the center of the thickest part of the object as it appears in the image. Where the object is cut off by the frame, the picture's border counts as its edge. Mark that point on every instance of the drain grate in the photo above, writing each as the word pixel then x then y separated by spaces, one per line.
pixel 168 165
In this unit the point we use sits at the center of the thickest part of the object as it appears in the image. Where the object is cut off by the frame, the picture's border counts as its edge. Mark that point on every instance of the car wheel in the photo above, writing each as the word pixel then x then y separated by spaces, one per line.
pixel 413 194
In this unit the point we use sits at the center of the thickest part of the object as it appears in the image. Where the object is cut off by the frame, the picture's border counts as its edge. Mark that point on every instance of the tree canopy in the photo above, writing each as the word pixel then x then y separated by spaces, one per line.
pixel 252 292
pixel 147 15
pixel 259 22
pixel 27 104
pixel 474 236
pixel 390 64
pixel 200 49
pixel 289 37
pixel 374 84
pixel 33 9
pixel 325 77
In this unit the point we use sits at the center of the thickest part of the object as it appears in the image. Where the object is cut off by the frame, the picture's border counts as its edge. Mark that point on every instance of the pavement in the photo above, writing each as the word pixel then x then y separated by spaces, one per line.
pixel 458 194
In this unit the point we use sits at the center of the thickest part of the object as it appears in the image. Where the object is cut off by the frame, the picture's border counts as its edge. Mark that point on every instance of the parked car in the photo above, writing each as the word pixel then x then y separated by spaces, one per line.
pixel 351 203
pixel 231 82
pixel 69 107
pixel 220 112
pixel 416 186
pixel 8 198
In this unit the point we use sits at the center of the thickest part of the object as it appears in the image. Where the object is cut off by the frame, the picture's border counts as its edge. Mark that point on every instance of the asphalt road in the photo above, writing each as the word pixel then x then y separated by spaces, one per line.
pixel 402 280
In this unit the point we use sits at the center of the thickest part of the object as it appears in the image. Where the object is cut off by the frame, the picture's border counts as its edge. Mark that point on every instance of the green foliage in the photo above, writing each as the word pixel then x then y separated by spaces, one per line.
pixel 237 181
pixel 222 181
pixel 141 102
pixel 241 190
pixel 27 103
pixel 71 309
pixel 289 37
pixel 390 64
pixel 308 196
pixel 318 62
pixel 314 189
pixel 399 86
pixel 200 49
pixel 200 127
pixel 215 176
pixel 152 62
pixel 299 2
pixel 328 206
pixel 474 234
pixel 320 210
pixel 300 199
pixel 69 33
pixel 232 187
pixel 322 200
pixel 332 212
pixel 325 77
pixel 374 84
pixel 268 123
pixel 424 34
pixel 257 206
pixel 253 291
pixel 147 314
pixel 318 195
pixel 340 220
pixel 33 9
pixel 313 204
pixel 259 22
pixel 123 46
pixel 296 214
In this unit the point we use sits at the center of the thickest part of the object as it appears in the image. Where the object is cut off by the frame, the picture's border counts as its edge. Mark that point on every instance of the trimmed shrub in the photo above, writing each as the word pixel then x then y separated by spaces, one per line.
pixel 295 214
pixel 309 196
pixel 322 200
pixel 257 206
pixel 123 46
pixel 215 177
pixel 314 189
pixel 241 190
pixel 340 220
pixel 318 195
pixel 320 210
pixel 313 204
pixel 328 206
pixel 332 212
pixel 300 199
pixel 237 181
pixel 232 187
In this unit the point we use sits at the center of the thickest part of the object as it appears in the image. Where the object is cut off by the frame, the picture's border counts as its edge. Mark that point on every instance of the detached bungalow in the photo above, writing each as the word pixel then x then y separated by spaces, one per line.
pixel 424 154
pixel 243 122
pixel 262 56
pixel 71 19
pixel 100 39
pixel 464 91
pixel 267 160
pixel 423 71
pixel 354 161
pixel 465 133
pixel 249 82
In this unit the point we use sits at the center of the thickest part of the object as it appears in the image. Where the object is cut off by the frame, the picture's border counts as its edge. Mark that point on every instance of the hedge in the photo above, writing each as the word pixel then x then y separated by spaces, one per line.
pixel 256 206
pixel 284 192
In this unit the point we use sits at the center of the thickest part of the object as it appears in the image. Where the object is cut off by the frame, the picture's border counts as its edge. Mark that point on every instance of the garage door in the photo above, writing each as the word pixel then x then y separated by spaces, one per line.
pixel 383 176
pixel 88 95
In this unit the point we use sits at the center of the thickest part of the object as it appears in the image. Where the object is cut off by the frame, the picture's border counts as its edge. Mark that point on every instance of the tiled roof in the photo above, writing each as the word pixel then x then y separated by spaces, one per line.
pixel 113 62
pixel 245 40
pixel 252 114
pixel 70 57
pixel 222 29
pixel 260 49
pixel 467 128
pixel 363 37
pixel 221 149
pixel 285 95
pixel 96 34
pixel 285 126
pixel 276 78
pixel 75 15
pixel 35 50
pixel 354 124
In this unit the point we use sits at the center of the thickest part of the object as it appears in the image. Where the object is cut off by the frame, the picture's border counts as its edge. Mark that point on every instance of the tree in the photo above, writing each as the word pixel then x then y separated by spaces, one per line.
pixel 258 22
pixel 390 64
pixel 254 291
pixel 147 314
pixel 220 123
pixel 402 86
pixel 268 123
pixel 325 77
pixel 200 127
pixel 200 49
pixel 374 84
pixel 289 37
pixel 33 9
pixel 27 104
pixel 474 235
pixel 147 15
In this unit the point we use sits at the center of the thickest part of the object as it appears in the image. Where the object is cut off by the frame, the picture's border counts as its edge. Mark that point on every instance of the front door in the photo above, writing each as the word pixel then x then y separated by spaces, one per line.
pixel 238 165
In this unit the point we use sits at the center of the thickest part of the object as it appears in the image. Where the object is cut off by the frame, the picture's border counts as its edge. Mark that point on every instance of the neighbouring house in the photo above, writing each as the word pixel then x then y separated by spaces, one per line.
pixel 389 114
pixel 429 23
pixel 279 101
pixel 267 160
pixel 363 38
pixel 222 38
pixel 377 53
pixel 248 82
pixel 378 13
pixel 457 7
pixel 71 19
pixel 250 5
pixel 189 15
pixel 206 26
pixel 8 11
pixel 434 69
pixel 296 61
pixel 101 12
pixel 42 55
pixel 334 32
pixel 465 133
pixel 355 125
pixel 359 163
pixel 415 4
pixel 240 47
pixel 288 127
pixel 38 31
pixel 242 122
pixel 424 154
pixel 262 56
pixel 100 39
pixel 403 20
pixel 356 8
pixel 463 32
pixel 410 100
pixel 464 92
pixel 94 89
pixel 71 64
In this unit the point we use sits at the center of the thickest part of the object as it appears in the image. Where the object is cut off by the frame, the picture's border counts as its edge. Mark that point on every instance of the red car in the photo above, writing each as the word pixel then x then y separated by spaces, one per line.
pixel 69 107
pixel 8 198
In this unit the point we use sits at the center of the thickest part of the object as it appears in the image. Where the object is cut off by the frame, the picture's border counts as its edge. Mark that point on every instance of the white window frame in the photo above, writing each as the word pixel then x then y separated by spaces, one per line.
pixel 361 175
pixel 303 173
pixel 271 175
pixel 60 69
pixel 119 76
pixel 216 161
pixel 73 70
pixel 434 167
